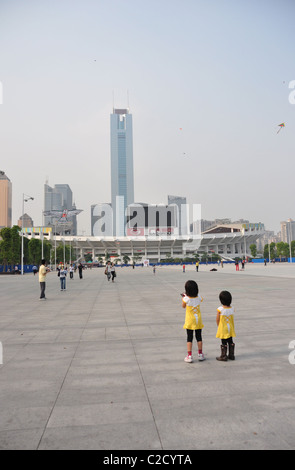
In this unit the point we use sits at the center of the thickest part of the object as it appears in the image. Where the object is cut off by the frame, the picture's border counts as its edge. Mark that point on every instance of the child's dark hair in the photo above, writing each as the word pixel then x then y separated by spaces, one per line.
pixel 225 298
pixel 191 288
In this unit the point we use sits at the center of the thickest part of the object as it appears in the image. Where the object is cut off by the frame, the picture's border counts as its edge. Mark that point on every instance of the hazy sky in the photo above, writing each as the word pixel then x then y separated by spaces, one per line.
pixel 217 69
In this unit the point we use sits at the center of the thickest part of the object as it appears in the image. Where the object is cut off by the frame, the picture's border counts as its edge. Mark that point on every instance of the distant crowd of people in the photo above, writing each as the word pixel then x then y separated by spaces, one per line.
pixel 62 272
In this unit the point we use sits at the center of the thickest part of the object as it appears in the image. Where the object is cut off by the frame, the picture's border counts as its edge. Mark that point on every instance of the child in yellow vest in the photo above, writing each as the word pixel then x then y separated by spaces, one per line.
pixel 226 326
pixel 193 321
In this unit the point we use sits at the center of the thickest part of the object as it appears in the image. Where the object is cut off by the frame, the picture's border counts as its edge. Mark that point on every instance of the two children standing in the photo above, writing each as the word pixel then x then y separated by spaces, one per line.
pixel 191 301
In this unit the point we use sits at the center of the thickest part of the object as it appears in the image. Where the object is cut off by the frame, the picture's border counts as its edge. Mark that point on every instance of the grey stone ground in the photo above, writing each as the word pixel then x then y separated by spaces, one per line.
pixel 100 366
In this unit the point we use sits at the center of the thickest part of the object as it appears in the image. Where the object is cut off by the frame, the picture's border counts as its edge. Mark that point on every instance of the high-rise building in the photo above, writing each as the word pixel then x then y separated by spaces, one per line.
pixel 5 201
pixel 182 221
pixel 59 198
pixel 151 219
pixel 288 231
pixel 122 181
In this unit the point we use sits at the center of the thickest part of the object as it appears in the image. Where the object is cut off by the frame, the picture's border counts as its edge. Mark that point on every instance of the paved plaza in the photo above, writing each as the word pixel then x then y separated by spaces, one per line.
pixel 101 365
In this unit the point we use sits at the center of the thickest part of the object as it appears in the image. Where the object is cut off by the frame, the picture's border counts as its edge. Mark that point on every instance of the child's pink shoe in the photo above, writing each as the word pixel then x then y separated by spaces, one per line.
pixel 188 358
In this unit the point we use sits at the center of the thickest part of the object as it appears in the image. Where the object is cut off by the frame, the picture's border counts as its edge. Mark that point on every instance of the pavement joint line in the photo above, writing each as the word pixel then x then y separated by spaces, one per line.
pixel 67 371
pixel 141 375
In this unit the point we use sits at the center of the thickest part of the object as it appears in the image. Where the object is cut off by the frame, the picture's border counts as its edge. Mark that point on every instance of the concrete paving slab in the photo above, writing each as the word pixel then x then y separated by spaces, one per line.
pixel 100 366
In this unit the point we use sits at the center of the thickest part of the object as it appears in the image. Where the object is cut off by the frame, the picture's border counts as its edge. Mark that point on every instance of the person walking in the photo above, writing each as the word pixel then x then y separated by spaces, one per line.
pixel 226 326
pixel 71 271
pixel 62 276
pixel 108 270
pixel 113 272
pixel 80 269
pixel 191 301
pixel 43 270
pixel 197 265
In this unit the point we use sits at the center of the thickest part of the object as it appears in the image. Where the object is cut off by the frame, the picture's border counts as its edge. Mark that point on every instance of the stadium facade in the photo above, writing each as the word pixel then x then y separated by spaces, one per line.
pixel 228 241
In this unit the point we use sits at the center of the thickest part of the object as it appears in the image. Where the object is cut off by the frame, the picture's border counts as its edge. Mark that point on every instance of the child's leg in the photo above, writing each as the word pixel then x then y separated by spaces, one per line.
pixel 231 349
pixel 189 341
pixel 201 356
pixel 223 347
pixel 199 341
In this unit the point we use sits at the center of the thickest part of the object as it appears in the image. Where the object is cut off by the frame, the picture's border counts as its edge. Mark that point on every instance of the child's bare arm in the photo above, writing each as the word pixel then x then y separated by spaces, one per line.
pixel 218 317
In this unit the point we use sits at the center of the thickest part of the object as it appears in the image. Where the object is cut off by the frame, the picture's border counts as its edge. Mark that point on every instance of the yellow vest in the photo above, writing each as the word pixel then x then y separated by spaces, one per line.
pixel 226 327
pixel 193 318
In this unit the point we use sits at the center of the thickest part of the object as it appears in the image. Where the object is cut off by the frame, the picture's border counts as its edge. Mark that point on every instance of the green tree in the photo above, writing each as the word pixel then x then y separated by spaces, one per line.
pixel 196 257
pixel 126 259
pixel 10 246
pixel 265 251
pixel 293 248
pixel 26 250
pixel 204 258
pixel 272 250
pixel 253 249
pixel 15 245
pixel 5 247
pixel 47 247
pixel 88 257
pixel 35 250
pixel 283 249
pixel 168 259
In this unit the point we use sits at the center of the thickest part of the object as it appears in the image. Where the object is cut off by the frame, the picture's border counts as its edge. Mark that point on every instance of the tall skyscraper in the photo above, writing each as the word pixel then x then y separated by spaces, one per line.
pixel 122 181
pixel 5 201
pixel 288 231
pixel 59 198
pixel 182 221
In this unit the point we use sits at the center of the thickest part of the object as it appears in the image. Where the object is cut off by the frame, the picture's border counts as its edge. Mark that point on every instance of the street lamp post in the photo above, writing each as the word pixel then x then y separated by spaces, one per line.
pixel 55 245
pixel 42 236
pixel 23 210
pixel 64 252
pixel 290 240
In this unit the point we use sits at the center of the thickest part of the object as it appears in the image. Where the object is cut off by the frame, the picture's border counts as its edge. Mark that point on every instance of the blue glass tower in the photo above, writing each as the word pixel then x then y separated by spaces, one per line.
pixel 122 180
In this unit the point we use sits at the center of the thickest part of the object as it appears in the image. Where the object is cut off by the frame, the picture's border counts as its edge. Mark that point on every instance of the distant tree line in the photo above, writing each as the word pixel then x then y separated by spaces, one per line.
pixel 279 250
pixel 10 249
pixel 275 250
